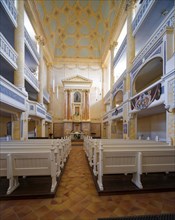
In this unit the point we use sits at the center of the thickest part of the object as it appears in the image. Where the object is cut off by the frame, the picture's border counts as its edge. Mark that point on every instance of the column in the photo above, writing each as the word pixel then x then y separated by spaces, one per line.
pixel 68 105
pixel 50 91
pixel 19 47
pixel 41 69
pixel 112 48
pixel 20 125
pixel 49 87
pixel 103 85
pixel 87 104
pixel 130 43
pixel 41 128
pixel 16 126
pixel 65 104
pixel 129 122
pixel 83 105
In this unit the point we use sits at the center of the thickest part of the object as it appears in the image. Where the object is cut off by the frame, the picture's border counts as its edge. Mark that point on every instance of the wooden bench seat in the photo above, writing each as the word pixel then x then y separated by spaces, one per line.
pixel 27 163
pixel 136 161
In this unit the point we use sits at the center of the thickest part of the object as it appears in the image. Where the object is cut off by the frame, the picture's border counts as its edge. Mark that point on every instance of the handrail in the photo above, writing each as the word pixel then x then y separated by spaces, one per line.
pixel 11 10
pixel 31 77
pixel 31 45
pixel 7 51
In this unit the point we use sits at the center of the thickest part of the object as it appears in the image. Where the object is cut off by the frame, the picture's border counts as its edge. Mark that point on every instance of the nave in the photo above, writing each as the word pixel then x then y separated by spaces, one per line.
pixel 77 199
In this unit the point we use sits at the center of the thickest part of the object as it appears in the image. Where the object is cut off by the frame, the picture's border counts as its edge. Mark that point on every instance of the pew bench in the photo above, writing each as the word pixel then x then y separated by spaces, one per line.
pixel 27 163
pixel 134 161
pixel 90 144
pixel 122 146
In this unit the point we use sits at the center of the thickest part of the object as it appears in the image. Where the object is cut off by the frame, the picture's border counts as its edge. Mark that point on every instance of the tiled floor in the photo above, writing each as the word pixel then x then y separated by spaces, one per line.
pixel 77 199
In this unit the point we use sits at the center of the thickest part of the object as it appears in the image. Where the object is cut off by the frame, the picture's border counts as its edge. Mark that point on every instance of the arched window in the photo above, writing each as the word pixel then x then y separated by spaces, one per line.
pixel 77 97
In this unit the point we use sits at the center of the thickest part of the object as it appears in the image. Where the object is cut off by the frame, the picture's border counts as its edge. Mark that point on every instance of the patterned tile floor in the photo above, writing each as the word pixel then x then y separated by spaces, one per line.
pixel 77 199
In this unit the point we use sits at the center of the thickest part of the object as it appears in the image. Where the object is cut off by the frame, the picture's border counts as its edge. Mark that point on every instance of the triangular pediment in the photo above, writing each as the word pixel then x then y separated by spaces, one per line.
pixel 77 78
pixel 77 81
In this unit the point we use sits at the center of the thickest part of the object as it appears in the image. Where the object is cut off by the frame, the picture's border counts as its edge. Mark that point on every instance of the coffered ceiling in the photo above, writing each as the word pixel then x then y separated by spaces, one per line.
pixel 78 28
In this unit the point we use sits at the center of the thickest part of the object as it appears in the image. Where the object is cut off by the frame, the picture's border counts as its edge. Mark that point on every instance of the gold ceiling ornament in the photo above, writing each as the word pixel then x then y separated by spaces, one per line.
pixel 40 39
pixel 113 45
pixel 64 21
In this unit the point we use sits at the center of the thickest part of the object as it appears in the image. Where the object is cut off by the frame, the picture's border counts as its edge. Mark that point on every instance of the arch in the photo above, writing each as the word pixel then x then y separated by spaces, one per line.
pixel 151 72
pixel 118 98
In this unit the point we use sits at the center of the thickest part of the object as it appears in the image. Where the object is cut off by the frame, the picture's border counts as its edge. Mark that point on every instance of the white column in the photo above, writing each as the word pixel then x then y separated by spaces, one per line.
pixel 49 87
pixel 19 47
pixel 87 104
pixel 41 69
pixel 65 104
pixel 68 105
pixel 130 43
pixel 130 123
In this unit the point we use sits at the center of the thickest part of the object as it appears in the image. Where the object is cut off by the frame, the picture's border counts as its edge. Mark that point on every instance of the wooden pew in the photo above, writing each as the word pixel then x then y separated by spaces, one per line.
pixel 30 164
pixel 4 171
pixel 63 146
pixel 122 145
pixel 136 160
pixel 28 147
pixel 89 144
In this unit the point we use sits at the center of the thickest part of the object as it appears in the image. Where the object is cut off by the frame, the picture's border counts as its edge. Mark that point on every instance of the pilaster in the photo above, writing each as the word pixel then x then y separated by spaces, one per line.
pixel 16 127
pixel 24 118
pixel 41 128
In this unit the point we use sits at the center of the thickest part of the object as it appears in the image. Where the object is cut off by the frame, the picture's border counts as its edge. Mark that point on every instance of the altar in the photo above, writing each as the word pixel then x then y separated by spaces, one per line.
pixel 76 135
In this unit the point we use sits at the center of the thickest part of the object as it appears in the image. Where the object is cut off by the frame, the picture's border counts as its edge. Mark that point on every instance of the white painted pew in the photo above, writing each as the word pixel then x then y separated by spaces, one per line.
pixel 63 145
pixel 30 164
pixel 32 149
pixel 89 144
pixel 123 145
pixel 4 171
pixel 60 147
pixel 135 161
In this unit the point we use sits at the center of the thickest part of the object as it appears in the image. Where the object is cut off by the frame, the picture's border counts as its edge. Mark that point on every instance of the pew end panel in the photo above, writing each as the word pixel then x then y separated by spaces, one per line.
pixel 29 164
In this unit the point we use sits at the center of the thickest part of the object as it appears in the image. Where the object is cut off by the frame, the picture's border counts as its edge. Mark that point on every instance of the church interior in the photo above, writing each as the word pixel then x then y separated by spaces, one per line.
pixel 87 92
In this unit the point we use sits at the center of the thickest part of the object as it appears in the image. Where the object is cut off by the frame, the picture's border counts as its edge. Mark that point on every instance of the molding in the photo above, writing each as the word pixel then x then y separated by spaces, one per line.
pixel 76 60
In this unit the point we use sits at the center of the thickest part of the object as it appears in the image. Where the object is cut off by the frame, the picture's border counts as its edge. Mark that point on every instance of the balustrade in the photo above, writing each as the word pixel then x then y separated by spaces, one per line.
pixel 153 43
pixel 31 78
pixel 7 51
pixel 31 46
pixel 141 14
pixel 10 9
pixel 11 95
pixel 46 95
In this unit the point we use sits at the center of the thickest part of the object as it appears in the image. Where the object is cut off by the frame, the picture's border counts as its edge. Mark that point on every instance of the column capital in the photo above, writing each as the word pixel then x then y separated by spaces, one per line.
pixel 40 40
pixel 113 45
pixel 129 4
pixel 49 64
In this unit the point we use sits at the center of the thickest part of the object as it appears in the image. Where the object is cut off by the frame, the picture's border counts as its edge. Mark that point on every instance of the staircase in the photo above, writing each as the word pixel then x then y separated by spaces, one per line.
pixel 77 142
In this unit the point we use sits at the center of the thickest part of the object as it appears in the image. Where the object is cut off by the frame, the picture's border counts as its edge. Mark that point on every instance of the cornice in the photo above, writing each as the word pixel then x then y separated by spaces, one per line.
pixel 76 60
